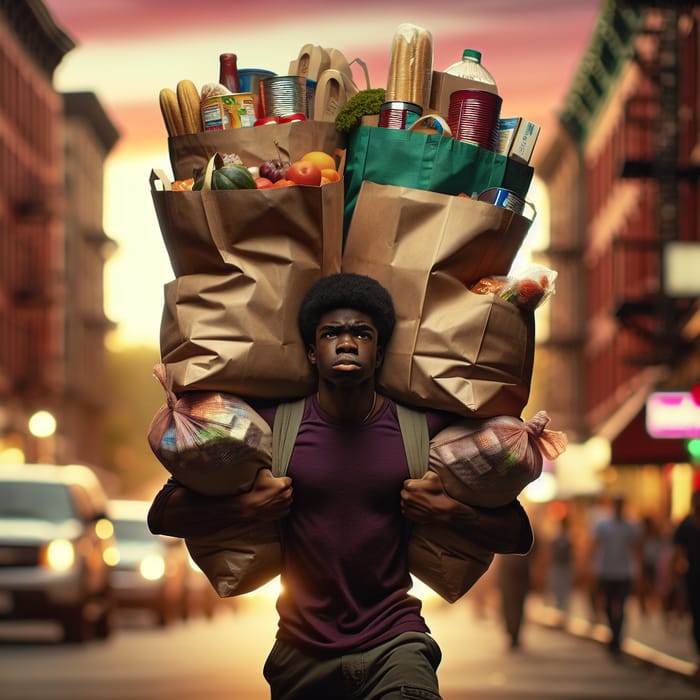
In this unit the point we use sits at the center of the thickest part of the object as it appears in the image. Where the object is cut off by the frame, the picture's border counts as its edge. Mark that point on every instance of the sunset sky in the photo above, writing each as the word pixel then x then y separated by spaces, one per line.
pixel 127 50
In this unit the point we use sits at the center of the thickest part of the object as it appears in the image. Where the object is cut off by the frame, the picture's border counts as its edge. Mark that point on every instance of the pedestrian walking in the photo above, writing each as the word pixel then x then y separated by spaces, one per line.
pixel 561 566
pixel 685 563
pixel 616 562
pixel 514 580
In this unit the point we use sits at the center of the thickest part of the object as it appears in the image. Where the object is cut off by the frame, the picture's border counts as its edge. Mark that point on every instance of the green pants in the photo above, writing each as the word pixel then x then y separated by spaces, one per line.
pixel 403 667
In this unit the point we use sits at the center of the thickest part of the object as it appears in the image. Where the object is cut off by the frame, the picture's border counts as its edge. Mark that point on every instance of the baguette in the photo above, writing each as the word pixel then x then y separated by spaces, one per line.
pixel 411 65
pixel 422 74
pixel 398 88
pixel 189 100
pixel 170 109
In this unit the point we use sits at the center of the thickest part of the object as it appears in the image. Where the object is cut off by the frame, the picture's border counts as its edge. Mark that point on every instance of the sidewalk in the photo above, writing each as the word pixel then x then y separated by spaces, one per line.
pixel 646 637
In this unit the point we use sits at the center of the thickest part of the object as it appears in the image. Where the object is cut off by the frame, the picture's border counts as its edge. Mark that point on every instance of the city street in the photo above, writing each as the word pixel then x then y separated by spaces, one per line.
pixel 221 659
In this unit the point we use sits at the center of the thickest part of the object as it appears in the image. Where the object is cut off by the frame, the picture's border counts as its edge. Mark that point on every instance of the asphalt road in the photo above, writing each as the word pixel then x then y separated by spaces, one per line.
pixel 221 659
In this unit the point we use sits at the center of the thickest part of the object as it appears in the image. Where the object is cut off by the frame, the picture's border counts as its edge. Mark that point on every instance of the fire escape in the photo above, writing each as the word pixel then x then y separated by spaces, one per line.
pixel 658 318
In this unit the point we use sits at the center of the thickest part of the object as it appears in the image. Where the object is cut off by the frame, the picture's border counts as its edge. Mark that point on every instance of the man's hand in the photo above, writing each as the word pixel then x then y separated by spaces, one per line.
pixel 425 500
pixel 503 530
pixel 269 498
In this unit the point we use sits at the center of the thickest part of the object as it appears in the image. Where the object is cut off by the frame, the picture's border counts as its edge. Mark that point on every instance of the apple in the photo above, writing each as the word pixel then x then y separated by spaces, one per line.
pixel 304 172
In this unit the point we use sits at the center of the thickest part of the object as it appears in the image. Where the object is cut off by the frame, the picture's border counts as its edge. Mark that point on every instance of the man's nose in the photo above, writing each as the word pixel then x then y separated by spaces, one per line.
pixel 346 341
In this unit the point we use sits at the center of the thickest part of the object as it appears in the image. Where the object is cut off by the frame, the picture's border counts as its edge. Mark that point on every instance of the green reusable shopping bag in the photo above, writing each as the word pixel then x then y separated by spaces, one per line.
pixel 425 161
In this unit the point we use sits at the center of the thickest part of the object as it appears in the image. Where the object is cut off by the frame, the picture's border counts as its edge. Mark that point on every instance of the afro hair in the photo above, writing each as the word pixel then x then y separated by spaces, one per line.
pixel 347 290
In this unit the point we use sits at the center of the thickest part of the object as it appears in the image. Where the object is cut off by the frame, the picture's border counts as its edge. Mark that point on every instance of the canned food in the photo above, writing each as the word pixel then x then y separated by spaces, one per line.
pixel 396 114
pixel 265 121
pixel 228 111
pixel 283 94
pixel 473 117
pixel 500 197
pixel 296 117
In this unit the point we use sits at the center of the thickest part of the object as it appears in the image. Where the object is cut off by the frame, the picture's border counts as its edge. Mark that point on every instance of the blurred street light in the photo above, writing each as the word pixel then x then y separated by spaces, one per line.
pixel 42 425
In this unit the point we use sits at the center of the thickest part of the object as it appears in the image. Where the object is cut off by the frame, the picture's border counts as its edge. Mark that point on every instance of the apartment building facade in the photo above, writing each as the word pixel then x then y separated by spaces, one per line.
pixel 52 245
pixel 622 175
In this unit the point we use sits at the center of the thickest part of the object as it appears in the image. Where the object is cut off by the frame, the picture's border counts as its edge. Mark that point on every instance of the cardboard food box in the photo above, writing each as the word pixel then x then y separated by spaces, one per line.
pixel 444 84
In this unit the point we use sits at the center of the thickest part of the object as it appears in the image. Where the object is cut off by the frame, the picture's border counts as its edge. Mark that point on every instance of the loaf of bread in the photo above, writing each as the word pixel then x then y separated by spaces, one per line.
pixel 411 65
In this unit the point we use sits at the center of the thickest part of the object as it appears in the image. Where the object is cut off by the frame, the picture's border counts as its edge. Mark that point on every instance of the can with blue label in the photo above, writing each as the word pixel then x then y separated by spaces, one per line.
pixel 501 197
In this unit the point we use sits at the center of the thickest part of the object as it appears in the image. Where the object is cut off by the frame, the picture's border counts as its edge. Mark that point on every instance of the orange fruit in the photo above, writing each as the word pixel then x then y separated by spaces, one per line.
pixel 323 160
pixel 331 174
pixel 183 185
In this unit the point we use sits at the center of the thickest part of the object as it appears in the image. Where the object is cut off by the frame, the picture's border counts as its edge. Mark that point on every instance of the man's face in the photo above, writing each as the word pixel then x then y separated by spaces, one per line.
pixel 345 351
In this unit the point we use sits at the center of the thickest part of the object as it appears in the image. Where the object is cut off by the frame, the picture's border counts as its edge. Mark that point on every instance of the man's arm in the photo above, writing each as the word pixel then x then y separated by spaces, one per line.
pixel 180 512
pixel 503 530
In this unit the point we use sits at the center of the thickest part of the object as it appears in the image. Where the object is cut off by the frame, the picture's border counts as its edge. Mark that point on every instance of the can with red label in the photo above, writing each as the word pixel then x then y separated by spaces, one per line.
pixel 397 114
pixel 473 117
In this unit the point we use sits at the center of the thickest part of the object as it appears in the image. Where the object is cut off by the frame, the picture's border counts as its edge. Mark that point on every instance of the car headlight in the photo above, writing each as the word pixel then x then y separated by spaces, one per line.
pixel 111 555
pixel 152 567
pixel 59 555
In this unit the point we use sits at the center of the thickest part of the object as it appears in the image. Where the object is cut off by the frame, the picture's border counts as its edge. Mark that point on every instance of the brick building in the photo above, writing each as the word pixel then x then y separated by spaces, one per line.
pixel 52 245
pixel 622 175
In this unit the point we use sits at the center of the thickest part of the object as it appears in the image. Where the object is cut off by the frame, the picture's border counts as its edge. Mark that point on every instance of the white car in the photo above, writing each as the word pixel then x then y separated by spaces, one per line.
pixel 151 571
pixel 55 549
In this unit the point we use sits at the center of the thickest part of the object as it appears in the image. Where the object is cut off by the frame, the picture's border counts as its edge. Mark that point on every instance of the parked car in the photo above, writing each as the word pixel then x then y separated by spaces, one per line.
pixel 55 549
pixel 151 571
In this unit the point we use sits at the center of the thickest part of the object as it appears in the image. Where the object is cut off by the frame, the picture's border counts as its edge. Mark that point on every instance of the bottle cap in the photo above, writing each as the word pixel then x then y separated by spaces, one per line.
pixel 472 53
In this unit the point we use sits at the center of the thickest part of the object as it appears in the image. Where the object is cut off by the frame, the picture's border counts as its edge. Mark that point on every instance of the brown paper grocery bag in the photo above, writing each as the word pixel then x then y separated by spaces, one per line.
pixel 200 229
pixel 239 558
pixel 452 349
pixel 446 560
pixel 184 228
pixel 235 332
pixel 253 145
pixel 233 326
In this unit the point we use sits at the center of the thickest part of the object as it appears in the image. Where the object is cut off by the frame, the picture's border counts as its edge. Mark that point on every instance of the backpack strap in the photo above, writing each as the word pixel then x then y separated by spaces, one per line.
pixel 284 434
pixel 413 425
pixel 416 441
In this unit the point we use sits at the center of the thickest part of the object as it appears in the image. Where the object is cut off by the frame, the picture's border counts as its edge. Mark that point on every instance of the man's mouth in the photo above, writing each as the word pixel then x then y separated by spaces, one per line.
pixel 346 364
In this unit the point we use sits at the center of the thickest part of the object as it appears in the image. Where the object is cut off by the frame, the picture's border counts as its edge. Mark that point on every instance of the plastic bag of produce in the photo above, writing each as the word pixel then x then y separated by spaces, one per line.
pixel 211 442
pixel 489 462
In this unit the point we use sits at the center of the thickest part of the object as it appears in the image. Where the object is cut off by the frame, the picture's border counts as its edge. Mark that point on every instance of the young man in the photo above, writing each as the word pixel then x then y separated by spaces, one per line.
pixel 348 627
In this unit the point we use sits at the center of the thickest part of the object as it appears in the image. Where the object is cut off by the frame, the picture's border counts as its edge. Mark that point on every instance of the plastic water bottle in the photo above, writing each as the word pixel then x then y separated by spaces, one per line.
pixel 471 68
